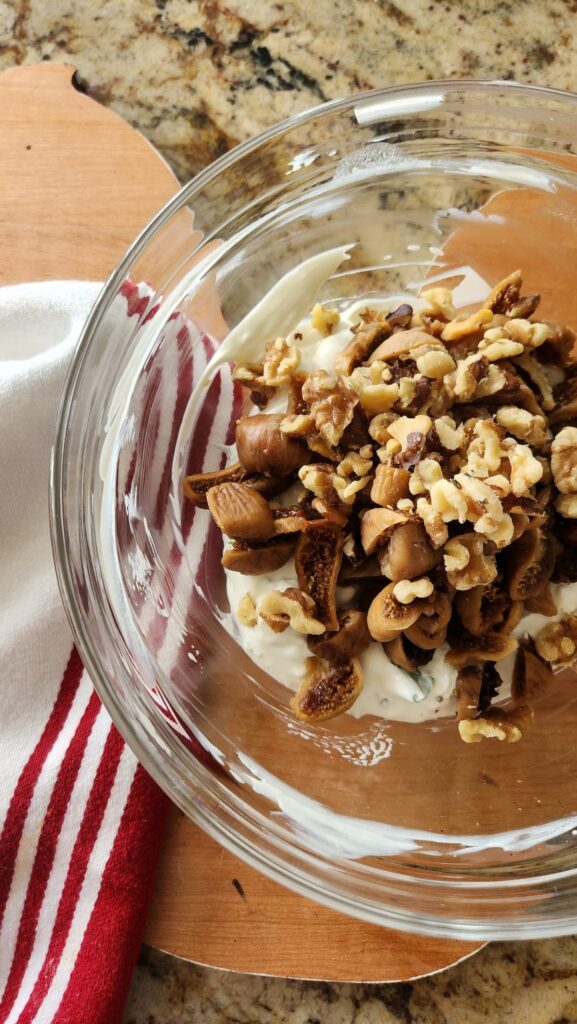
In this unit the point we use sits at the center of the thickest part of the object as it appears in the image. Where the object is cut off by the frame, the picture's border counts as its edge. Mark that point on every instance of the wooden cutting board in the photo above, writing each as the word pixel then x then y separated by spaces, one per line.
pixel 77 184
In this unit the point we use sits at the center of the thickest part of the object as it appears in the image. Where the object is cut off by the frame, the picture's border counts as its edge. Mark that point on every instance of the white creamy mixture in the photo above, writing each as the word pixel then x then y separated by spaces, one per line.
pixel 388 691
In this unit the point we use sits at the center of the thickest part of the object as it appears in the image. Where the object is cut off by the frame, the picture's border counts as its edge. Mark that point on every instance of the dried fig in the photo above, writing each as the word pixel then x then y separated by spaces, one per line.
pixel 240 512
pixel 486 607
pixel 471 649
pixel 197 485
pixel 318 557
pixel 387 616
pixel 405 654
pixel 530 674
pixel 257 559
pixel 430 629
pixel 327 690
pixel 390 485
pixel 351 638
pixel 408 553
pixel 401 343
pixel 529 563
pixel 263 448
pixel 376 524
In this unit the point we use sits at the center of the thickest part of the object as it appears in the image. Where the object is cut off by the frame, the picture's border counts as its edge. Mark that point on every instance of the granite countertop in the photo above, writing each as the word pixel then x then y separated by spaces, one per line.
pixel 196 77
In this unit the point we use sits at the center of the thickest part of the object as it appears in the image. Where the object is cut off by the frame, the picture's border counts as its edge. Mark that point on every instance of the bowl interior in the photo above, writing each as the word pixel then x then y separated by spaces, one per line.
pixel 359 810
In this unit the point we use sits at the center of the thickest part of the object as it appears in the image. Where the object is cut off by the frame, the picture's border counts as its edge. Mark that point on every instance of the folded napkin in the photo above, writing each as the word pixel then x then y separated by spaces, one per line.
pixel 79 818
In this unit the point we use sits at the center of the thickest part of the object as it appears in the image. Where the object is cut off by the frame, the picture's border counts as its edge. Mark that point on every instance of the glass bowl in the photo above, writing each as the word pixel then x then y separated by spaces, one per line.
pixel 402 825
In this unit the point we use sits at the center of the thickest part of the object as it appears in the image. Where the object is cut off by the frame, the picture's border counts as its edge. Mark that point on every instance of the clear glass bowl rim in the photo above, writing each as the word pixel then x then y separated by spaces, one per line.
pixel 267 861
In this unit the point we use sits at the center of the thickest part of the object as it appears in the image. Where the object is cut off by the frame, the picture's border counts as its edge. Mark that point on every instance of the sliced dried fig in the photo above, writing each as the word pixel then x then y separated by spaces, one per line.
pixel 390 485
pixel 530 674
pixel 318 557
pixel 484 607
pixel 240 511
pixel 529 563
pixel 366 338
pixel 476 688
pixel 377 524
pixel 387 616
pixel 257 559
pixel 351 638
pixel 405 654
pixel 367 569
pixel 197 485
pixel 467 691
pixel 542 603
pixel 263 448
pixel 327 690
pixel 469 649
pixel 430 629
pixel 401 343
pixel 408 553
pixel 289 519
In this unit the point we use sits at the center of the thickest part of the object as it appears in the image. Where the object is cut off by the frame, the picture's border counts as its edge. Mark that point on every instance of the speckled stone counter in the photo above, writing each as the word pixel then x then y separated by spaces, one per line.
pixel 196 77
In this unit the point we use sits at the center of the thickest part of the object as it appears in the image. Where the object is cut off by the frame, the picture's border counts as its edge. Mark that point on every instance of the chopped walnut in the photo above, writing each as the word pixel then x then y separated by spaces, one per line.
pixel 450 435
pixel 438 302
pixel 433 522
pixel 246 611
pixel 526 470
pixel 407 591
pixel 564 460
pixel 493 349
pixel 479 569
pixel 435 362
pixel 379 427
pixel 463 383
pixel 291 607
pixel 427 473
pixel 533 370
pixel 456 555
pixel 375 396
pixel 557 642
pixel 297 425
pixel 462 327
pixel 530 335
pixel 280 362
pixel 332 403
pixel 404 426
pixel 505 293
pixel 524 425
pixel 497 724
pixel 566 505
pixel 324 320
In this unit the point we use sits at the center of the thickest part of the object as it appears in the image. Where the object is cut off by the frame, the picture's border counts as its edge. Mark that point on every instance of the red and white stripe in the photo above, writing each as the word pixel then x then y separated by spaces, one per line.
pixel 80 821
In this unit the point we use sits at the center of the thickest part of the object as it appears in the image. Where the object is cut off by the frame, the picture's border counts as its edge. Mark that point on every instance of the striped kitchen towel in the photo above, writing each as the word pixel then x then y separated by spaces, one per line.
pixel 80 820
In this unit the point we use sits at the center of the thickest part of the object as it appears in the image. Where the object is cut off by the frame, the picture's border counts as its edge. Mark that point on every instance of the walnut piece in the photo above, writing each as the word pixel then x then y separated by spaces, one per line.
pixel 497 724
pixel 324 320
pixel 524 425
pixel 478 569
pixel 246 611
pixel 557 642
pixel 291 607
pixel 332 404
pixel 407 591
pixel 564 460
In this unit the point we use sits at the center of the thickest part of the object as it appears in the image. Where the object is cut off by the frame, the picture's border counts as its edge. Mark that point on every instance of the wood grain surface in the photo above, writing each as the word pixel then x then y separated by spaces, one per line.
pixel 78 183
